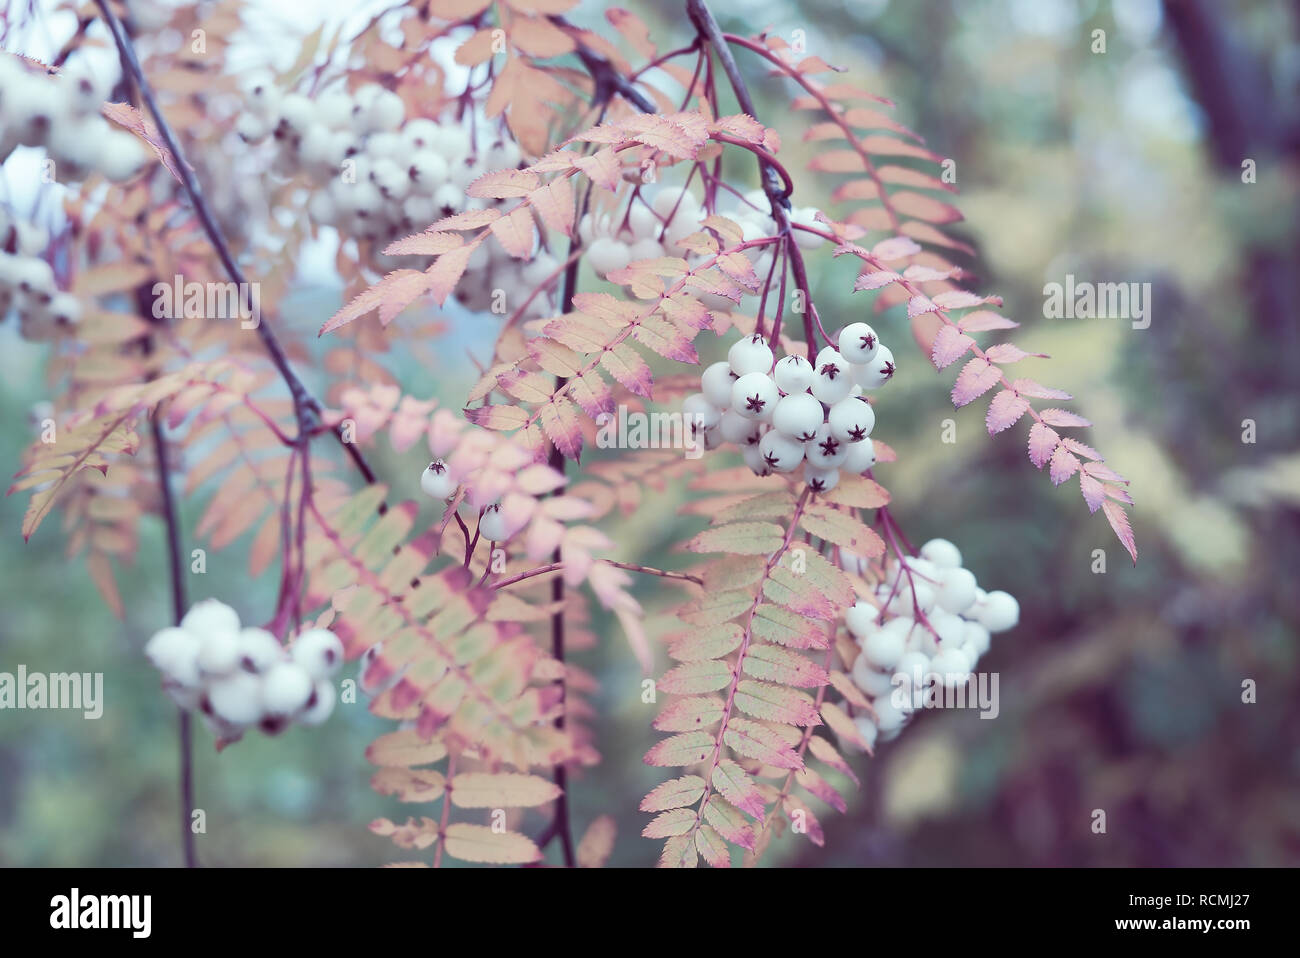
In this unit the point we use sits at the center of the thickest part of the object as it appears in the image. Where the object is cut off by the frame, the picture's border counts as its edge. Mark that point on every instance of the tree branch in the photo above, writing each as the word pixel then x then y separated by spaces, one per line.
pixel 306 407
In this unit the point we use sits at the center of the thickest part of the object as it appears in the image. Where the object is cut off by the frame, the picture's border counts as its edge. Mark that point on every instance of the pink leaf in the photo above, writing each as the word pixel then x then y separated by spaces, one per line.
pixel 895 248
pixel 962 299
pixel 984 319
pixel 1093 493
pixel 1005 411
pixel 1064 465
pixel 975 379
pixel 918 305
pixel 1081 448
pixel 1118 519
pixel 949 346
pixel 1062 418
pixel 1043 441
pixel 1008 353
pixel 1027 387
pixel 869 281
pixel 1102 472
pixel 1118 493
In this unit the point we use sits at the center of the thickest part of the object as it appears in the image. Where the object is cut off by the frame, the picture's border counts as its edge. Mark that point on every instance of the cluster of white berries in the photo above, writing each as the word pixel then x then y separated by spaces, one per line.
pixel 650 230
pixel 62 115
pixel 384 176
pixel 27 283
pixel 238 678
pixel 932 625
pixel 644 231
pixel 790 413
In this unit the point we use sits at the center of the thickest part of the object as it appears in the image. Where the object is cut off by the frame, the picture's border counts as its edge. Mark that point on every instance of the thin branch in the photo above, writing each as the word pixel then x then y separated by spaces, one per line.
pixel 306 407
pixel 179 604
pixel 629 566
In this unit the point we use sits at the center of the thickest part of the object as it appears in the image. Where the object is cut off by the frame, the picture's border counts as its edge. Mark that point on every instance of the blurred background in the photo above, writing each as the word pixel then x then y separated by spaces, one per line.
pixel 1120 690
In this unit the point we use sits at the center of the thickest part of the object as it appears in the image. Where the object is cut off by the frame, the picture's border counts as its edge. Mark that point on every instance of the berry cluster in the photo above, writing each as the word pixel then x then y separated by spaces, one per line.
pixel 239 678
pixel 645 231
pixel 385 176
pixel 62 115
pixel 27 282
pixel 931 625
pixel 790 413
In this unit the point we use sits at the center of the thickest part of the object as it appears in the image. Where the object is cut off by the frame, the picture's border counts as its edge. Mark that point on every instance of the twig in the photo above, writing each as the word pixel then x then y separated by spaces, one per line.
pixel 306 407
pixel 629 566
pixel 179 603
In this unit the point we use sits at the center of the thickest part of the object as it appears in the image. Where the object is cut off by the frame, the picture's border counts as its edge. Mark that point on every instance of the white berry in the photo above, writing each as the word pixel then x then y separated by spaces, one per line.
pixel 858 343
pixel 798 416
pixel 851 419
pixel 754 396
pixel 876 373
pixel 716 384
pixel 833 379
pixel 780 452
pixel 793 374
pixel 750 355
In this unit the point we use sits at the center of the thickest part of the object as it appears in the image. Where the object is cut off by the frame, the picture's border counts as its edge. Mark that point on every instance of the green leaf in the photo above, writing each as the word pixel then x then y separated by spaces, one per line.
pixel 710 643
pixel 775 664
pixel 740 538
pixel 776 703
pixel 694 677
pixel 685 749
pixel 759 742
pixel 675 821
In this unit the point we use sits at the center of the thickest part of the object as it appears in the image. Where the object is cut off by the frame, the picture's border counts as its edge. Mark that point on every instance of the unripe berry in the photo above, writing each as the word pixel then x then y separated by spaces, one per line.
pixel 858 343
pixel 876 373
pixel 755 396
pixel 798 416
pixel 437 481
pixel 833 380
pixel 851 419
pixel 793 374
pixel 750 355
pixel 780 452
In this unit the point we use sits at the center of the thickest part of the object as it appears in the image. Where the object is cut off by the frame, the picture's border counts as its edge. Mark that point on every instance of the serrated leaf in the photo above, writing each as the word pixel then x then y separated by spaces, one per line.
pixel 975 379
pixel 1005 410
pixel 776 703
pixel 501 790
pixel 478 843
pixel 675 793
pixel 692 678
pixel 772 663
pixel 678 750
pixel 710 643
pixel 740 538
pixel 759 742
pixel 949 346
pixel 674 821
pixel 1118 520
pixel 690 714
pixel 1043 441
pixel 734 784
